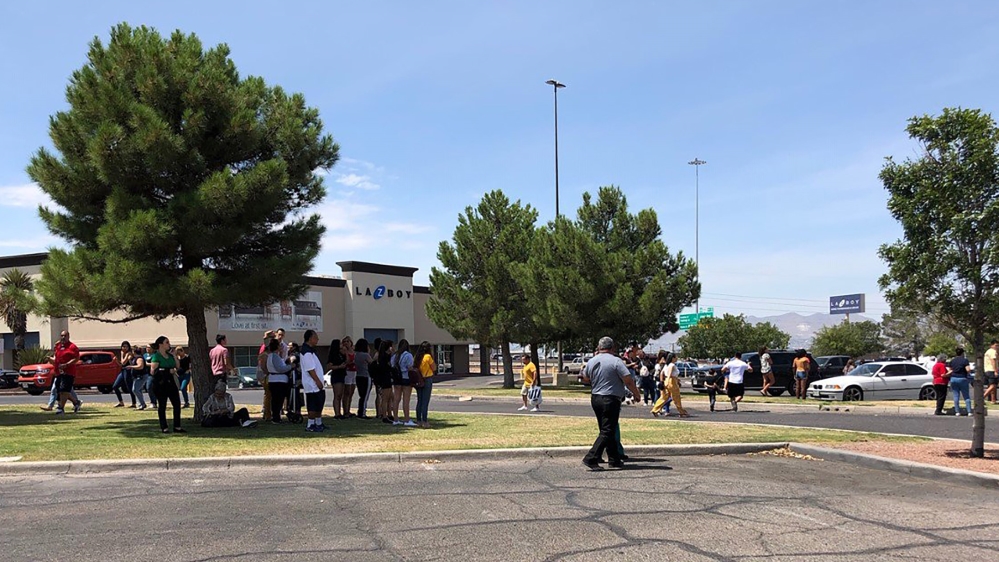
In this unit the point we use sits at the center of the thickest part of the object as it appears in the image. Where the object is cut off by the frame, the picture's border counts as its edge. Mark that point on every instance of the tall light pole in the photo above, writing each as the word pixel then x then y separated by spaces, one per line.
pixel 697 163
pixel 555 84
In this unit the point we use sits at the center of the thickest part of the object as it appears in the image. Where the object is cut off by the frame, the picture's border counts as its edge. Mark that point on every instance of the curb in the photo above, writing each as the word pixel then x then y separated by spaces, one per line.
pixel 226 463
pixel 917 469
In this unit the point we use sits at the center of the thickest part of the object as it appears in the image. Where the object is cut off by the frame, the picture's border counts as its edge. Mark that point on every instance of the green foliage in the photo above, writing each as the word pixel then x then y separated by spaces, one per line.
pixel 728 335
pixel 607 273
pixel 179 185
pixel 32 356
pixel 16 287
pixel 944 343
pixel 476 293
pixel 947 202
pixel 855 339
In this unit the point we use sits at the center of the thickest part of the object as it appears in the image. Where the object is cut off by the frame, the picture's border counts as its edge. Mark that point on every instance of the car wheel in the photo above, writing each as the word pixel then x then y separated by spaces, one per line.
pixel 104 389
pixel 927 393
pixel 35 391
pixel 775 391
pixel 853 394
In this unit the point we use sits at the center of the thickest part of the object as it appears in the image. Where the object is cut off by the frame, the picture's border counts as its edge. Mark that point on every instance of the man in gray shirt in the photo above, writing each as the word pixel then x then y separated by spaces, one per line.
pixel 608 377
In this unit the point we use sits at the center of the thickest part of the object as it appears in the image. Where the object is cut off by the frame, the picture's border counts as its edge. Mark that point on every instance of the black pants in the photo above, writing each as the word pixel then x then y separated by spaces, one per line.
pixel 279 393
pixel 712 395
pixel 648 385
pixel 608 411
pixel 164 388
pixel 941 391
pixel 237 419
pixel 363 389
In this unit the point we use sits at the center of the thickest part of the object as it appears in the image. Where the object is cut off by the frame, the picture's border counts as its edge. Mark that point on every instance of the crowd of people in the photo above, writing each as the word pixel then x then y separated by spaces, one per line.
pixel 292 376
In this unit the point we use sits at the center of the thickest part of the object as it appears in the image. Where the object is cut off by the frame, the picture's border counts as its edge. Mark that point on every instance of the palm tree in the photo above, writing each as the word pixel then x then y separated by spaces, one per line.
pixel 14 286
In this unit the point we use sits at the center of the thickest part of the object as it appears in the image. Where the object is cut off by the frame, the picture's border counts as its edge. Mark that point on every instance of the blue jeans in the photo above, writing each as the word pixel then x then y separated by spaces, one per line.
pixel 54 395
pixel 423 400
pixel 123 381
pixel 149 389
pixel 139 383
pixel 960 385
pixel 184 379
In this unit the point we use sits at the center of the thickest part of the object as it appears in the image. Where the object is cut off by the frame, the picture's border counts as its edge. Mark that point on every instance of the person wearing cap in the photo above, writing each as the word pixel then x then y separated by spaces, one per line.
pixel 608 378
pixel 220 411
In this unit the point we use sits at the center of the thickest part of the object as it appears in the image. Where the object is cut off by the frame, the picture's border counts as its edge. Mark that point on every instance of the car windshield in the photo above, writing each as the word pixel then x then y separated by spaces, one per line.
pixel 865 370
pixel 248 371
pixel 822 361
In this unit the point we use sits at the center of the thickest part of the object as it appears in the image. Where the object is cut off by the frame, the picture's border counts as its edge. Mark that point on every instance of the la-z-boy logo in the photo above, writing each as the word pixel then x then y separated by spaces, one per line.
pixel 380 291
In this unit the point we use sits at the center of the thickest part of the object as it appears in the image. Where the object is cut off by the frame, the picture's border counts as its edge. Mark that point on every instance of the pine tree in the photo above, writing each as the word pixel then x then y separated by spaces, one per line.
pixel 180 186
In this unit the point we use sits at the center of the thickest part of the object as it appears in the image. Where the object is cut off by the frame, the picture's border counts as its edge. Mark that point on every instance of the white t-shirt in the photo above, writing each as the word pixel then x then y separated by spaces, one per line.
pixel 765 363
pixel 311 363
pixel 736 370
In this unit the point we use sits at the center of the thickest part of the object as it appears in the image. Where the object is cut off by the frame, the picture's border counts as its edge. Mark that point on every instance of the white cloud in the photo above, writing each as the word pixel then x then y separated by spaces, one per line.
pixel 38 243
pixel 355 164
pixel 406 228
pixel 28 195
pixel 358 181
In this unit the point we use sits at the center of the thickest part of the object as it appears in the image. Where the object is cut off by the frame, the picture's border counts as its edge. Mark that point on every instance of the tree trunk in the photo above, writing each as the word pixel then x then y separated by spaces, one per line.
pixel 978 397
pixel 535 358
pixel 201 366
pixel 484 359
pixel 507 365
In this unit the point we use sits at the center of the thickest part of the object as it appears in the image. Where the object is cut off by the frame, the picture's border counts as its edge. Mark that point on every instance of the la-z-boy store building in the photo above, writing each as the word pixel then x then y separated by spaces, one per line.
pixel 370 301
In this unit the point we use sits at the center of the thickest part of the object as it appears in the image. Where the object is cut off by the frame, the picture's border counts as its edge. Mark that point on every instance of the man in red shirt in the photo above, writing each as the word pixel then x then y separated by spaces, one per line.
pixel 65 356
pixel 940 378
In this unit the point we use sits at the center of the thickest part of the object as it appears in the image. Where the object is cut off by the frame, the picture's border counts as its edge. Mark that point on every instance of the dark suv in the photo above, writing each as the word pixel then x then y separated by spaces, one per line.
pixel 782 367
pixel 831 365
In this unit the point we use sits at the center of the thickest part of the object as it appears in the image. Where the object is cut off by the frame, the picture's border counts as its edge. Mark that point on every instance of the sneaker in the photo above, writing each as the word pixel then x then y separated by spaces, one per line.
pixel 396 422
pixel 410 423
pixel 119 405
pixel 76 407
pixel 46 408
pixel 522 409
pixel 250 423
pixel 735 406
pixel 140 408
pixel 615 465
pixel 179 430
pixel 321 428
pixel 312 429
pixel 60 411
pixel 535 409
pixel 386 420
pixel 593 467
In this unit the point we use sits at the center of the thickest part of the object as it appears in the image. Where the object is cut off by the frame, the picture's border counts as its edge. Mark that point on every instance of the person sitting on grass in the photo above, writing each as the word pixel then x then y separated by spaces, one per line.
pixel 220 411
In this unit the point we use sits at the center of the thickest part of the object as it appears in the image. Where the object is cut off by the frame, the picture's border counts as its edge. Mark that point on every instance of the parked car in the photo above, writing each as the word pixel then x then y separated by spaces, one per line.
pixel 246 378
pixel 831 365
pixel 888 380
pixel 686 369
pixel 8 379
pixel 96 369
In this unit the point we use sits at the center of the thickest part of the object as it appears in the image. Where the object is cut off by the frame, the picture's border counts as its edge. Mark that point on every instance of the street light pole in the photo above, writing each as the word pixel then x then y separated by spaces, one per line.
pixel 697 163
pixel 555 84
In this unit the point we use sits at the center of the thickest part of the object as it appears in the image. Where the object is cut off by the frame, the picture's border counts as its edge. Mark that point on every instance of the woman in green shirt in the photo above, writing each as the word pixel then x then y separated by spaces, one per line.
pixel 163 366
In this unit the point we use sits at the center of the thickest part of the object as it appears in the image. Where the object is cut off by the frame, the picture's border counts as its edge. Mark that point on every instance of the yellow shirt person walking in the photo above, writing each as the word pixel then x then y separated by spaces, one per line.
pixel 531 379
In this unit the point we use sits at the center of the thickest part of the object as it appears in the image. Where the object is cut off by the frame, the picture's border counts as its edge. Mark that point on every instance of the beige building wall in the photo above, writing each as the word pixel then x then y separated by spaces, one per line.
pixel 378 301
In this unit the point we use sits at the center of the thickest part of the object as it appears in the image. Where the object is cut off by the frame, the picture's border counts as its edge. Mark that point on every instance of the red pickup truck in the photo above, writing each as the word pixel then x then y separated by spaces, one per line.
pixel 96 369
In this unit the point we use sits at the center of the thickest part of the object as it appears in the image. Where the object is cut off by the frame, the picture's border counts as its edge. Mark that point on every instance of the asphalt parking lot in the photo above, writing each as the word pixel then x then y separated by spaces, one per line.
pixel 680 509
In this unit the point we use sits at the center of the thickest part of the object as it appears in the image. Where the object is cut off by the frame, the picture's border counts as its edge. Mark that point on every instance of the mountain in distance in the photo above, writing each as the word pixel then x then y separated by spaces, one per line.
pixel 801 328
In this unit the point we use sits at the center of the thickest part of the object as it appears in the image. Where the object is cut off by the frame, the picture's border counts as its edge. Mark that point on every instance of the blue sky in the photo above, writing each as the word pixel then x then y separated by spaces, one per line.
pixel 793 105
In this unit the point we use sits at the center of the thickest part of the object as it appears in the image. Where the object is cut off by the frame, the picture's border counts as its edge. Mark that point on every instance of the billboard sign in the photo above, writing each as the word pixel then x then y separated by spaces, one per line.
pixel 304 313
pixel 847 304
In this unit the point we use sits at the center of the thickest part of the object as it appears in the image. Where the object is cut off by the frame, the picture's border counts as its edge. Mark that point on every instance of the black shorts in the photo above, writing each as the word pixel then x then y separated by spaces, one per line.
pixel 314 401
pixel 736 390
pixel 64 383
pixel 397 380
pixel 338 377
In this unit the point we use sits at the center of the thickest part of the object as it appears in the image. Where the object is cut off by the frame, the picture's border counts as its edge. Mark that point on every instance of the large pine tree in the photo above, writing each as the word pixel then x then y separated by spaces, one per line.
pixel 180 186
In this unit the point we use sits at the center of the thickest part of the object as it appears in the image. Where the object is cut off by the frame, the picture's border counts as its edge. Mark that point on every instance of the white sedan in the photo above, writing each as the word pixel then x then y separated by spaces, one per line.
pixel 886 380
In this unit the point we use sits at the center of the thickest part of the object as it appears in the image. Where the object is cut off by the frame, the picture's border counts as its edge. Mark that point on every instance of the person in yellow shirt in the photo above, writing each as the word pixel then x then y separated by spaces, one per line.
pixel 991 370
pixel 427 367
pixel 531 378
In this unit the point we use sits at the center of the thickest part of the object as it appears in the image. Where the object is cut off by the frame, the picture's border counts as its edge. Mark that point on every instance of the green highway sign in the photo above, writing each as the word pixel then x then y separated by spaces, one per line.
pixel 689 320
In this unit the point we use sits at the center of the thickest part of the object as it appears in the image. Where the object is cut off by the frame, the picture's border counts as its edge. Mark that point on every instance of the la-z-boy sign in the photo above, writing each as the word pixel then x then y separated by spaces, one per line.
pixel 846 304
pixel 381 292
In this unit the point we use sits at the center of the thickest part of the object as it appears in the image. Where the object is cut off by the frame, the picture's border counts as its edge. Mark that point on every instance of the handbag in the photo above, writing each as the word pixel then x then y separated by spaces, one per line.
pixel 534 395
pixel 416 378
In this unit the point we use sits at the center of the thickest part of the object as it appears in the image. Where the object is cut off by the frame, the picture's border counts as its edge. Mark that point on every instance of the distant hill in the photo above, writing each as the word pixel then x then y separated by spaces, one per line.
pixel 801 328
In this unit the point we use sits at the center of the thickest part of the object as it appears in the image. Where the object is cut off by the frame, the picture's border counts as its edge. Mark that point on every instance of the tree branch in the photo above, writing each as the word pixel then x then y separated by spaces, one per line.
pixel 108 321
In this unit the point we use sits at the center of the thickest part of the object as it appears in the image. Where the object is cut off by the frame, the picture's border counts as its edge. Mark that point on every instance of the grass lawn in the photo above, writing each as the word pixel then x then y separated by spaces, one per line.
pixel 114 433
pixel 580 391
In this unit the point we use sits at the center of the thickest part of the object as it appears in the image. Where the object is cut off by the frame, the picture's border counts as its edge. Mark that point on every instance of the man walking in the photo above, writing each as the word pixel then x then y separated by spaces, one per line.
pixel 221 362
pixel 735 372
pixel 312 383
pixel 608 378
pixel 64 358
pixel 991 370
pixel 531 379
